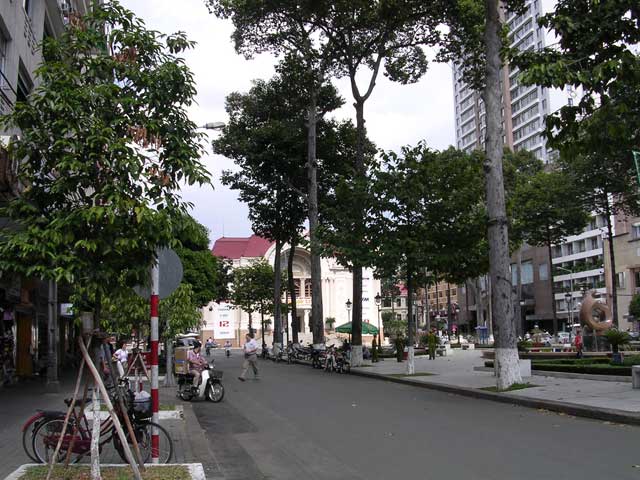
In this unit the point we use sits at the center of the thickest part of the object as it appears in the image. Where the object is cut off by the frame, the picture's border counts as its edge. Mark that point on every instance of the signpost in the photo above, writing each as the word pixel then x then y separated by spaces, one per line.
pixel 166 275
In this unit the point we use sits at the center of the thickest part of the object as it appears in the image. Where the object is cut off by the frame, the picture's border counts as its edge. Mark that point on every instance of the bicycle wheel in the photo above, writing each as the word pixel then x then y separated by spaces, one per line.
pixel 143 436
pixel 46 436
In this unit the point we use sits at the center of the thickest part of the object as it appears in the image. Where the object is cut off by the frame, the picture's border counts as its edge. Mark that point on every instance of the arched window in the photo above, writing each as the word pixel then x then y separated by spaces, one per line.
pixel 296 286
pixel 307 288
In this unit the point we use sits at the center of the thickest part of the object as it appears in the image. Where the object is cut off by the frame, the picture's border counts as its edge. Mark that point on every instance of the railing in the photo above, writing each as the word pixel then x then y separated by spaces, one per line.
pixel 6 101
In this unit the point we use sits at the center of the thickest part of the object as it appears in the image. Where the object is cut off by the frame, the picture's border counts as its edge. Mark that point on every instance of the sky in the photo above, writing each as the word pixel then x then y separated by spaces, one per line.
pixel 395 115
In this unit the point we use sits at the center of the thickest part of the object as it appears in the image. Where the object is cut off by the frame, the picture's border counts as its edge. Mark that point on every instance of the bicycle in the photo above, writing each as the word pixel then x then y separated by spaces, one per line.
pixel 76 440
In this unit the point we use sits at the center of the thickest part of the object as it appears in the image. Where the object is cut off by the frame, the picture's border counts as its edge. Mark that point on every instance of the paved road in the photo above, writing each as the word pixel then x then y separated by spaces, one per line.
pixel 296 422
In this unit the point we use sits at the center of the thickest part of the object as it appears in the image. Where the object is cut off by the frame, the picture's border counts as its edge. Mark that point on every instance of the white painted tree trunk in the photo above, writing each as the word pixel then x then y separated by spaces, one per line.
pixel 356 355
pixel 95 435
pixel 169 379
pixel 411 365
pixel 506 352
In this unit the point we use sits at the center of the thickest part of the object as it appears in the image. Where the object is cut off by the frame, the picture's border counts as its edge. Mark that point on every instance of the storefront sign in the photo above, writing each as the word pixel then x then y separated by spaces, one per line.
pixel 224 324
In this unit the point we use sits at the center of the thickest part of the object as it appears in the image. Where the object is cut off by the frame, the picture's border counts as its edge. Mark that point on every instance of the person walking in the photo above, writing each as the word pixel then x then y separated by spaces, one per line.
pixel 432 342
pixel 578 343
pixel 250 357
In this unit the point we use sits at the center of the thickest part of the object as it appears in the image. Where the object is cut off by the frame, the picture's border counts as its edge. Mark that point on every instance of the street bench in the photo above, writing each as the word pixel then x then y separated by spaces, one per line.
pixel 635 376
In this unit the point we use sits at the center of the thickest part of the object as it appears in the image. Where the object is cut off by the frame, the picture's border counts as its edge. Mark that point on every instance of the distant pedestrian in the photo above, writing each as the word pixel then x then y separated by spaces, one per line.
pixel 578 344
pixel 121 356
pixel 432 342
pixel 250 357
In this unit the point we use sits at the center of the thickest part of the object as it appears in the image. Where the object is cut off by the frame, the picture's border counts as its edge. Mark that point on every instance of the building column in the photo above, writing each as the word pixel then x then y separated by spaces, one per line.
pixel 305 325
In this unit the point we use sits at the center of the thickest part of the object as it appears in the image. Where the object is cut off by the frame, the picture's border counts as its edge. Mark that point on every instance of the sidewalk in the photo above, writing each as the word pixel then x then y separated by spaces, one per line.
pixel 605 400
pixel 20 401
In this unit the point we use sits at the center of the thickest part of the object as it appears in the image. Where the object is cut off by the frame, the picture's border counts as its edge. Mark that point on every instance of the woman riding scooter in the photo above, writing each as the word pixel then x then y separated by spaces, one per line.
pixel 197 363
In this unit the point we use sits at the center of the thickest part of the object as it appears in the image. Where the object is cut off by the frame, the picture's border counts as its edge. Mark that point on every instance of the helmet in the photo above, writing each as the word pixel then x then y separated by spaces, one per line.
pixel 196 344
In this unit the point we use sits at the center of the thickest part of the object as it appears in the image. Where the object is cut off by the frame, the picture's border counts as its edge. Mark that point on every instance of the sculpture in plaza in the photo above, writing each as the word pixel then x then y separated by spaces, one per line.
pixel 595 314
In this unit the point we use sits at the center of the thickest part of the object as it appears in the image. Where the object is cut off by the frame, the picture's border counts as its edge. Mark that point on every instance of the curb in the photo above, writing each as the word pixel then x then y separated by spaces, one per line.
pixel 195 469
pixel 571 376
pixel 606 414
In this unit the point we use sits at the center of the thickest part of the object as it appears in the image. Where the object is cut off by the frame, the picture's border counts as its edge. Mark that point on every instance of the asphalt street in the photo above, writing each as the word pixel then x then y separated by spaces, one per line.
pixel 296 422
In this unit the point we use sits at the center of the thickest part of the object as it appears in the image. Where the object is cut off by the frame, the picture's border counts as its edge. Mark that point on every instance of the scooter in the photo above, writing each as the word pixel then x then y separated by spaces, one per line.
pixel 210 387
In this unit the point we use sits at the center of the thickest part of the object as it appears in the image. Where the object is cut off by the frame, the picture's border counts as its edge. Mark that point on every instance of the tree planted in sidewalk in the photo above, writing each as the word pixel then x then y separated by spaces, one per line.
pixel 105 144
pixel 475 42
pixel 252 290
pixel 597 60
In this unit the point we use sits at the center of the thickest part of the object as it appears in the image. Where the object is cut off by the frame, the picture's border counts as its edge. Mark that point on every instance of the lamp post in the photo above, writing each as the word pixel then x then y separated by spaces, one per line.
pixel 348 305
pixel 568 297
pixel 570 272
pixel 378 300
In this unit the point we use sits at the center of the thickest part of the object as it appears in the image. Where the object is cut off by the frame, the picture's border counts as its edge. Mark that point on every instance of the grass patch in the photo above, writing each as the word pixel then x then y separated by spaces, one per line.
pixel 515 386
pixel 596 366
pixel 160 472
pixel 417 374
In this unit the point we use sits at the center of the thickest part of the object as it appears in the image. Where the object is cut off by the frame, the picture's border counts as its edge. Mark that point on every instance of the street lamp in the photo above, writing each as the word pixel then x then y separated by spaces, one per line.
pixel 569 299
pixel 348 304
pixel 378 300
pixel 570 288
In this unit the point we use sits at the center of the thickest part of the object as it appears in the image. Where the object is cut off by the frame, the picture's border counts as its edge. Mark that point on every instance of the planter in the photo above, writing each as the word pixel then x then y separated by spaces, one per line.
pixel 179 471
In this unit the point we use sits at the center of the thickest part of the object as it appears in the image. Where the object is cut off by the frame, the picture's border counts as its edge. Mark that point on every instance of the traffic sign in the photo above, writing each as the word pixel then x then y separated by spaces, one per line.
pixel 171 272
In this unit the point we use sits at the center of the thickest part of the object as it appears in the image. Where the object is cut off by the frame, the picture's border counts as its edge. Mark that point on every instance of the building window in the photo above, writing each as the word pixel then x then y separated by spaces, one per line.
pixel 26 4
pixel 620 277
pixel 543 271
pixel 296 286
pixel 635 230
pixel 398 302
pixel 307 288
pixel 527 273
pixel 386 303
pixel 3 56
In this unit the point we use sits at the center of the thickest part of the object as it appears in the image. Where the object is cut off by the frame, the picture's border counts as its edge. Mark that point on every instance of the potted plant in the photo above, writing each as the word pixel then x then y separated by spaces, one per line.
pixel 617 339
pixel 330 321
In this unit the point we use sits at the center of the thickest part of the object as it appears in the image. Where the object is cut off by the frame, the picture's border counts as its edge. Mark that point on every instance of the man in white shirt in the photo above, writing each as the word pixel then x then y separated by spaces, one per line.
pixel 121 356
pixel 250 357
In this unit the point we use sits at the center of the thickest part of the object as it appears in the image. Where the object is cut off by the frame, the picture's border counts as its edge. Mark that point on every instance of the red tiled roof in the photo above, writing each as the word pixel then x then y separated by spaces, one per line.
pixel 234 248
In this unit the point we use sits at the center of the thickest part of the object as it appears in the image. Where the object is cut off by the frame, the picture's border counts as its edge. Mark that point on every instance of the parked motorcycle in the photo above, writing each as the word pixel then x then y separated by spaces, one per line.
pixel 210 387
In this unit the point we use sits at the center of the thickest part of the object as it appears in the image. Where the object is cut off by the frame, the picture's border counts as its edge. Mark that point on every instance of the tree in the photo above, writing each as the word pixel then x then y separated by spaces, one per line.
pixel 105 142
pixel 595 59
pixel 367 35
pixel 209 276
pixel 546 209
pixel 430 211
pixel 179 313
pixel 283 28
pixel 475 41
pixel 266 138
pixel 252 289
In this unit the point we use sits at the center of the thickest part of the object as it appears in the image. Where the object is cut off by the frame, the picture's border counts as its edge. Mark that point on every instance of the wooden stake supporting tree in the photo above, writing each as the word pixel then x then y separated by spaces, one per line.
pixel 99 384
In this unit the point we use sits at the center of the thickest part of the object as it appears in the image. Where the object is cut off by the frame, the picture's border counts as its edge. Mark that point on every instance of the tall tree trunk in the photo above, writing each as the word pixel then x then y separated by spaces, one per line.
pixel 506 352
pixel 292 291
pixel 437 301
pixel 277 300
pixel 169 379
pixel 95 434
pixel 356 319
pixel 264 343
pixel 52 338
pixel 317 324
pixel 449 319
pixel 612 258
pixel 410 340
pixel 554 311
pixel 518 320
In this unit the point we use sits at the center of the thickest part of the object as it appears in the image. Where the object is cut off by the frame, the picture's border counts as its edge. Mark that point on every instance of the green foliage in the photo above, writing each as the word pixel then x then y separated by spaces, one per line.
pixel 386 318
pixel 330 321
pixel 617 339
pixel 396 328
pixel 105 144
pixel 634 306
pixel 208 276
pixel 180 312
pixel 430 214
pixel 252 288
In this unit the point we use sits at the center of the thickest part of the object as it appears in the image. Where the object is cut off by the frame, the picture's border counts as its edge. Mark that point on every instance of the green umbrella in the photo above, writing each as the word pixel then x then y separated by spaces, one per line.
pixel 367 329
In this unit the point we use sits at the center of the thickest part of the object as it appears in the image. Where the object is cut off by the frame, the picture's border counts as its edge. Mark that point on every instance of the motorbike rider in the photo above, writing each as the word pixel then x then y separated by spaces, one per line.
pixel 208 345
pixel 227 347
pixel 197 363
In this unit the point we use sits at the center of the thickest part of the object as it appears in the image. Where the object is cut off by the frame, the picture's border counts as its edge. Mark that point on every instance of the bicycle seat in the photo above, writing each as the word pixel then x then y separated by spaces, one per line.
pixel 77 402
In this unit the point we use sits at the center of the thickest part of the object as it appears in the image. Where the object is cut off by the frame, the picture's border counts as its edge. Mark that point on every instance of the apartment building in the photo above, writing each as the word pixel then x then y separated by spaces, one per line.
pixel 24 24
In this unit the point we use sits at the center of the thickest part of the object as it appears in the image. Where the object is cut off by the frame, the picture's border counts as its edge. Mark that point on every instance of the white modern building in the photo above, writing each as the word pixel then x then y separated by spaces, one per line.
pixel 223 321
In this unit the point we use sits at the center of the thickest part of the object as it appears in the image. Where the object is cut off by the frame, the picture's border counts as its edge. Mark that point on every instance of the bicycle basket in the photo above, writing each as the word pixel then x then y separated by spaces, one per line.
pixel 217 374
pixel 142 406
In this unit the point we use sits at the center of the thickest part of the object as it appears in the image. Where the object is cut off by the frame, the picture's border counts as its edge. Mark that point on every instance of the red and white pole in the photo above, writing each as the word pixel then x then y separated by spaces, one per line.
pixel 155 399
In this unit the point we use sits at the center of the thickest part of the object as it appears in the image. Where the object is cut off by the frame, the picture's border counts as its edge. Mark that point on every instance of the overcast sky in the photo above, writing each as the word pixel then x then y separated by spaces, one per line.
pixel 396 115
